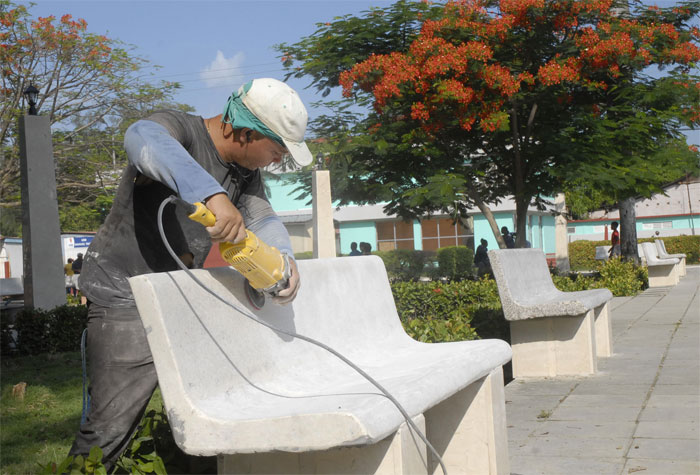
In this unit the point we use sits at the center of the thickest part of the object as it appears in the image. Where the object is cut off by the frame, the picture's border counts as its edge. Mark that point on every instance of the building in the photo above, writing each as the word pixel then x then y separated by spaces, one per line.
pixel 675 212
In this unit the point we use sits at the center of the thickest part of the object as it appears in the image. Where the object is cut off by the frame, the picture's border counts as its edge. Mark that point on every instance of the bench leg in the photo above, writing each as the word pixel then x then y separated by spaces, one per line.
pixel 554 346
pixel 469 429
pixel 603 332
pixel 397 454
pixel 662 276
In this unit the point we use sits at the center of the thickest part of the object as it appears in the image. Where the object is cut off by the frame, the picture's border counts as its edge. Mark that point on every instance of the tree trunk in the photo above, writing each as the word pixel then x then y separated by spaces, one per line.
pixel 486 211
pixel 628 231
pixel 521 222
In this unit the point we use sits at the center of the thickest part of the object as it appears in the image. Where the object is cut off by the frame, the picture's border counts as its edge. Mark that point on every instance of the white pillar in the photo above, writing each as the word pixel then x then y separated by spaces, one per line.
pixel 323 231
pixel 561 237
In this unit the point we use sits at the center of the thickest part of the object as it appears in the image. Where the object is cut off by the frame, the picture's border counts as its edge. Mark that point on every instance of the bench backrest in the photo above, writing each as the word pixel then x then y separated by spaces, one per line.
pixel 522 276
pixel 601 252
pixel 344 302
pixel 660 248
pixel 650 252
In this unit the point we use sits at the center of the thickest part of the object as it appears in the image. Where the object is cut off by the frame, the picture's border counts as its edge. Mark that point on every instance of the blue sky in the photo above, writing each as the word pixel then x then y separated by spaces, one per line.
pixel 213 46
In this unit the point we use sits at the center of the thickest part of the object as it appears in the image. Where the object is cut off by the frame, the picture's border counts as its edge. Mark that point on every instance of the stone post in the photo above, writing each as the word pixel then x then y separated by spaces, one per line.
pixel 323 229
pixel 44 283
pixel 561 237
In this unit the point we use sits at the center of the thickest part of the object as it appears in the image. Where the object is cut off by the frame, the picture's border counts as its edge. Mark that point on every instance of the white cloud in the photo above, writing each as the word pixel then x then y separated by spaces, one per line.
pixel 223 71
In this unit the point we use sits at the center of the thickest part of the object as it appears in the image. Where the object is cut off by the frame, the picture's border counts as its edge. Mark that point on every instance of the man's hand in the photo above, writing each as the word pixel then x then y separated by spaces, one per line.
pixel 287 295
pixel 229 222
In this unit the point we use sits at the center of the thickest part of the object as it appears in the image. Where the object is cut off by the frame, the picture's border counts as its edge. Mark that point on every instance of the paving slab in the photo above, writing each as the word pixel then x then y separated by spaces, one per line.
pixel 640 413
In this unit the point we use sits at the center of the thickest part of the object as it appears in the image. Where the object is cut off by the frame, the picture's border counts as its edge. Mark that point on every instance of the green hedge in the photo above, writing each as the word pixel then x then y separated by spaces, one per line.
pixel 406 265
pixel 621 278
pixel 40 331
pixel 450 311
pixel 582 253
pixel 455 262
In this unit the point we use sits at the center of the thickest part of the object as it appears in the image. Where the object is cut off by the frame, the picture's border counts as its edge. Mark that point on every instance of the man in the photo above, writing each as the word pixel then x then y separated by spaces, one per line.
pixel 615 250
pixel 508 237
pixel 215 161
pixel 481 258
pixel 353 249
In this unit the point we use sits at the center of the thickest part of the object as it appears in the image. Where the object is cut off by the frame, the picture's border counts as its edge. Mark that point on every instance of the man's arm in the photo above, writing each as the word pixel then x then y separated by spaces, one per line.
pixel 159 156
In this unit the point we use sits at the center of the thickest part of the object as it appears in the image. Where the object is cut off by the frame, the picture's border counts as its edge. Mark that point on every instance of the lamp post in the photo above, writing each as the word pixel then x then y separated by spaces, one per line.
pixel 31 94
pixel 44 284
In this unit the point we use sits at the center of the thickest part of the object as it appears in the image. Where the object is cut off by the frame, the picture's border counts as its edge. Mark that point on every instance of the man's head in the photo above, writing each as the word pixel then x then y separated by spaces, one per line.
pixel 80 255
pixel 484 242
pixel 504 230
pixel 614 225
pixel 353 246
pixel 270 111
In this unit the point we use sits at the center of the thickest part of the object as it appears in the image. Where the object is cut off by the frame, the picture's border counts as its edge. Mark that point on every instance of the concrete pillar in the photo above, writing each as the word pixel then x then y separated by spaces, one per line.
pixel 44 284
pixel 561 237
pixel 323 230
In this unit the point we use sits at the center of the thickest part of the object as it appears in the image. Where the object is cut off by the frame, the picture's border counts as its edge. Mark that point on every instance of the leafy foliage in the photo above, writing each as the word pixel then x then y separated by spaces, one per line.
pixel 91 89
pixel 492 99
pixel 620 277
pixel 455 262
pixel 45 331
pixel 406 265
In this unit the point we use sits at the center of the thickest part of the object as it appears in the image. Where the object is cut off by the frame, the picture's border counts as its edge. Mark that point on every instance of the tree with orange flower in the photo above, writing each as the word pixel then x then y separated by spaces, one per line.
pixel 89 90
pixel 492 99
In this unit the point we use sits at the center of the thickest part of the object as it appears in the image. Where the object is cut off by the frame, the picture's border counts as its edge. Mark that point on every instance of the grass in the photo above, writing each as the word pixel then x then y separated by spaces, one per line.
pixel 40 428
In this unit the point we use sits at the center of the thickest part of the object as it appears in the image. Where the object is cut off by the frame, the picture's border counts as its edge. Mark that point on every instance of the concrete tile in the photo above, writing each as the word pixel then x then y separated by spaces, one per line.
pixel 575 446
pixel 541 386
pixel 670 414
pixel 600 387
pixel 533 465
pixel 676 389
pixel 667 430
pixel 596 414
pixel 597 400
pixel 585 429
pixel 665 449
pixel 673 400
pixel 661 467
pixel 678 375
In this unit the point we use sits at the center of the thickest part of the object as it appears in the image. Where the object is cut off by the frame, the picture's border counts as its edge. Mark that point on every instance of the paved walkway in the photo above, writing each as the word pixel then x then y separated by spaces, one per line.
pixel 639 414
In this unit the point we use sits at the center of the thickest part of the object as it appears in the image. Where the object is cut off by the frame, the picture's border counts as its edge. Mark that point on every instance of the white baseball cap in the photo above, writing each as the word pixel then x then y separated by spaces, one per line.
pixel 279 107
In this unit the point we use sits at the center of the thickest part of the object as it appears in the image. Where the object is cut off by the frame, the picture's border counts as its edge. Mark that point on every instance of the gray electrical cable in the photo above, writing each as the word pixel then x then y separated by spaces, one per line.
pixel 246 313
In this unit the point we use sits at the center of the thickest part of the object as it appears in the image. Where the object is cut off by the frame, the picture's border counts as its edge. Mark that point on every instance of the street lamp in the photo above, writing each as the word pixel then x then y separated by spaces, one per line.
pixel 31 94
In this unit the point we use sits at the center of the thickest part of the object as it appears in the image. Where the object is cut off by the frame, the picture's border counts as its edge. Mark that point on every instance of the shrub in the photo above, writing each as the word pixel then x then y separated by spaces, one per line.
pixel 450 311
pixel 455 262
pixel 621 278
pixel 42 331
pixel 404 264
pixel 582 253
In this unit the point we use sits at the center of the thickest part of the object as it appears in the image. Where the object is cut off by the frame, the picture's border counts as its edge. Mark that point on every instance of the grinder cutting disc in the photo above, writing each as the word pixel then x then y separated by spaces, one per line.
pixel 255 297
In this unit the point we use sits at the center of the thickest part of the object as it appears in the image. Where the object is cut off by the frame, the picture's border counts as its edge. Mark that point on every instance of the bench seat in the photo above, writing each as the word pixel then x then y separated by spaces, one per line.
pixel 663 254
pixel 662 272
pixel 553 333
pixel 232 386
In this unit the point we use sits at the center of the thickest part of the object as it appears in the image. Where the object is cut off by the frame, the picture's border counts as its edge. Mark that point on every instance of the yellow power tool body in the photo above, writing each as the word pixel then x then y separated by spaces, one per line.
pixel 265 268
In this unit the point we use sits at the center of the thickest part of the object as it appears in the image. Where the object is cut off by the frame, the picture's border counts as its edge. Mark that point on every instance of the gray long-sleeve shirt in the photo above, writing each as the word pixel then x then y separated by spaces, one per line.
pixel 169 153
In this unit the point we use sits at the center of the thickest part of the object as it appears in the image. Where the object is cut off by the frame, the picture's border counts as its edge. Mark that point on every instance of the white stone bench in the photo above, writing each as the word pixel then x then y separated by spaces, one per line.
pixel 553 333
pixel 602 253
pixel 269 403
pixel 662 272
pixel 663 254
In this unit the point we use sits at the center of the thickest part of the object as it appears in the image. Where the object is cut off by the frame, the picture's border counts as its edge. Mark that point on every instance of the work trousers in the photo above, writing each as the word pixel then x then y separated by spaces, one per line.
pixel 122 380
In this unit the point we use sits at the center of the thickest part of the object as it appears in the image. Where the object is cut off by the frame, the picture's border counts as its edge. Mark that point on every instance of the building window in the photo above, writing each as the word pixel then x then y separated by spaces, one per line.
pixel 442 232
pixel 394 235
pixel 571 230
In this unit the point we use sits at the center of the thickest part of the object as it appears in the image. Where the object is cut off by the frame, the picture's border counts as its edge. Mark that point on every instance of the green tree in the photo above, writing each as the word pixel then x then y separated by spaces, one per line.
pixel 91 88
pixel 481 104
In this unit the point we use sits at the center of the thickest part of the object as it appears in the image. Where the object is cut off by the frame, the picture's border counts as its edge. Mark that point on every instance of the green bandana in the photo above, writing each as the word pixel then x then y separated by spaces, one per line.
pixel 239 116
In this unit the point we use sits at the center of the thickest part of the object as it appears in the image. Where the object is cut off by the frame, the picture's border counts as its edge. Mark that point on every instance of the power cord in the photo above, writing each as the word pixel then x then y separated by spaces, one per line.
pixel 246 313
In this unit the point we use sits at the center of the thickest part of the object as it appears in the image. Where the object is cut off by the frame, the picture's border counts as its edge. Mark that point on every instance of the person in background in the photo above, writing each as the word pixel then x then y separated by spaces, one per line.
pixel 481 258
pixel 508 237
pixel 615 250
pixel 68 272
pixel 353 250
pixel 366 248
